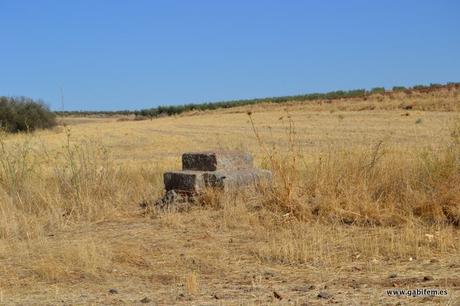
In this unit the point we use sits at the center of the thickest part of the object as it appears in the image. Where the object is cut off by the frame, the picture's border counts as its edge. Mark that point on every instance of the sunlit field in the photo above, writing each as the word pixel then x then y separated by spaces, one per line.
pixel 365 198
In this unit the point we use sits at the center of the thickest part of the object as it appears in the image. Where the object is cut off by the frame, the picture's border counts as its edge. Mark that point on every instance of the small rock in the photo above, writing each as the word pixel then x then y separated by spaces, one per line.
pixel 407 107
pixel 304 288
pixel 427 278
pixel 393 275
pixel 324 295
pixel 181 296
pixel 113 291
pixel 146 300
pixel 268 274
pixel 434 260
pixel 354 284
pixel 216 296
pixel 277 295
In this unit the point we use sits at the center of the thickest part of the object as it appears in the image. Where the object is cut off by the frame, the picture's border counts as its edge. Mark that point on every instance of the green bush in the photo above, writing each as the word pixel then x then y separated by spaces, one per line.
pixel 399 88
pixel 420 87
pixel 24 114
pixel 378 90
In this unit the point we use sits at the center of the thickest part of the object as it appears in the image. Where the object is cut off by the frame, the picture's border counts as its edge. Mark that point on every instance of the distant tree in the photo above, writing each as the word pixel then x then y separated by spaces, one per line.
pixel 378 90
pixel 399 88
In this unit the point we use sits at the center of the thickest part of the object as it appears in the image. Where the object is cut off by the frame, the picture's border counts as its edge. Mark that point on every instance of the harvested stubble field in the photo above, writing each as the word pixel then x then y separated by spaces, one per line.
pixel 366 198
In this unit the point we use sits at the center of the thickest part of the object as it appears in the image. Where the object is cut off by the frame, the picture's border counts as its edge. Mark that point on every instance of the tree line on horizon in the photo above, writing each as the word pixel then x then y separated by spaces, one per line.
pixel 170 110
pixel 25 114
pixel 333 95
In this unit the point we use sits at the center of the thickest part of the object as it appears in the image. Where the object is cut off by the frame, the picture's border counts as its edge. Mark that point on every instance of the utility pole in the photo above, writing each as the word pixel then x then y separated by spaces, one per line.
pixel 62 99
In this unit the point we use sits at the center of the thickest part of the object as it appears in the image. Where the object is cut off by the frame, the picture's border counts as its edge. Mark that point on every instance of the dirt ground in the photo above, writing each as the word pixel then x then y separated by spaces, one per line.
pixel 157 257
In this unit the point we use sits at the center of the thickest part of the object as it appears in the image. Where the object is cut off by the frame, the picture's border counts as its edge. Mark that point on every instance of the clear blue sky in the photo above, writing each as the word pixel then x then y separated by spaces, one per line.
pixel 109 55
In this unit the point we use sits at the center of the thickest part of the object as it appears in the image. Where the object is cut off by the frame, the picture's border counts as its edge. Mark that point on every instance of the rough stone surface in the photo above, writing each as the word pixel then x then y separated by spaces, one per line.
pixel 213 161
pixel 184 181
pixel 228 180
pixel 195 181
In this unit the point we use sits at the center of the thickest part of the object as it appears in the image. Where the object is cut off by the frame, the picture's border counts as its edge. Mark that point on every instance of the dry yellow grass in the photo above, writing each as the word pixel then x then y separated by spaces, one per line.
pixel 363 189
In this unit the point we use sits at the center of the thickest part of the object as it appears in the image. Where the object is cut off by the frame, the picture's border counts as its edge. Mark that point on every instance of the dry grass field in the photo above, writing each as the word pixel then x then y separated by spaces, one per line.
pixel 366 198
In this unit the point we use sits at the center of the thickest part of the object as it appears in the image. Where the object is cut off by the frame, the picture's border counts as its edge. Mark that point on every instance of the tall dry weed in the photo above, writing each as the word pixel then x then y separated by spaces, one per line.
pixel 44 190
pixel 85 175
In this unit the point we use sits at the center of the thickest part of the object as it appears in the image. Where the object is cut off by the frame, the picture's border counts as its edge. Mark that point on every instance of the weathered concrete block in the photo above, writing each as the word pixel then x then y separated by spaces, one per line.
pixel 232 180
pixel 184 181
pixel 212 161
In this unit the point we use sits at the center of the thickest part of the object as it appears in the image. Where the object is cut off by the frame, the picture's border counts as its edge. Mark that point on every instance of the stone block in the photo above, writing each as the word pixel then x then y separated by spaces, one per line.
pixel 232 180
pixel 184 181
pixel 219 160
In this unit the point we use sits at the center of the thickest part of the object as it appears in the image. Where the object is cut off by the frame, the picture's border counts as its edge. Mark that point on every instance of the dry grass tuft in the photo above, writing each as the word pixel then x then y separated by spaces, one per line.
pixel 191 283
